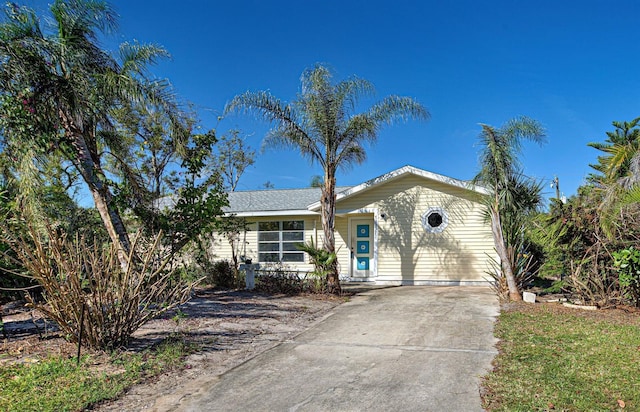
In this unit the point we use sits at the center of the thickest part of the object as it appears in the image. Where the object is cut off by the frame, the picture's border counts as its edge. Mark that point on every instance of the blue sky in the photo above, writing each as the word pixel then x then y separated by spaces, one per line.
pixel 572 65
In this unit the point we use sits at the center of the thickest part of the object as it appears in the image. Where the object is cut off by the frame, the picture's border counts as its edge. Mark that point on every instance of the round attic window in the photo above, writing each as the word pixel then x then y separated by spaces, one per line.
pixel 435 220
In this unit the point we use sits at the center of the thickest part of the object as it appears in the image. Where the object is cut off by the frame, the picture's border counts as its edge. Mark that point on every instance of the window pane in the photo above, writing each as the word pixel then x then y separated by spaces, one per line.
pixel 268 257
pixel 293 257
pixel 290 246
pixel 434 219
pixel 272 226
pixel 268 247
pixel 293 236
pixel 268 236
pixel 293 225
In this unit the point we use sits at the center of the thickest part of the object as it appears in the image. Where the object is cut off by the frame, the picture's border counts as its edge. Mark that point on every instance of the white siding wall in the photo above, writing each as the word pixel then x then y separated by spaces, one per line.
pixel 406 252
pixel 342 246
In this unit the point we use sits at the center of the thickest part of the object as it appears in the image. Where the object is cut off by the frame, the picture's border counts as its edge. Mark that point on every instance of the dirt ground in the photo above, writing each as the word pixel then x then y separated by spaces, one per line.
pixel 622 315
pixel 229 327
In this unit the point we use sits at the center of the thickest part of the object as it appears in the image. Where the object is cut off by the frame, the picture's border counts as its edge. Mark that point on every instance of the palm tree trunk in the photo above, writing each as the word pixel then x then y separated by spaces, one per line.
pixel 91 172
pixel 328 215
pixel 501 249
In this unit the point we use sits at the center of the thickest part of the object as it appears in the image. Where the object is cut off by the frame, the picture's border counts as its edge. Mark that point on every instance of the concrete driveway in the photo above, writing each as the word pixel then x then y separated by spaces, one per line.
pixel 396 349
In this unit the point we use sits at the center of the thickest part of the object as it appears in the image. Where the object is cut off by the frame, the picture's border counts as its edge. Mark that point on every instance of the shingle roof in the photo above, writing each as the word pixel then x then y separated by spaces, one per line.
pixel 274 200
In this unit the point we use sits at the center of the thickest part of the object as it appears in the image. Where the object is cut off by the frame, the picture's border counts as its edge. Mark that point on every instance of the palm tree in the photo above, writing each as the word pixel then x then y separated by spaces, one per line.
pixel 59 90
pixel 500 173
pixel 321 125
pixel 619 149
pixel 619 175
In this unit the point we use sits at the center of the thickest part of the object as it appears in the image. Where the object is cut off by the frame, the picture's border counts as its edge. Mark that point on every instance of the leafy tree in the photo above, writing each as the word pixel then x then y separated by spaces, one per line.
pixel 233 157
pixel 196 202
pixel 576 246
pixel 510 194
pixel 59 89
pixel 73 112
pixel 149 146
pixel 320 124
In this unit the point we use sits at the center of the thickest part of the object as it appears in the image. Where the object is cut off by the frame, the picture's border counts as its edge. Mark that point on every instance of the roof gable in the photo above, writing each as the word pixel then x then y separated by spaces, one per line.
pixel 398 173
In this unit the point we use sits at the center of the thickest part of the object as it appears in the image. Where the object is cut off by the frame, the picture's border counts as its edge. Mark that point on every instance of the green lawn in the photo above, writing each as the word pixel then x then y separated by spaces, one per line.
pixel 58 384
pixel 554 358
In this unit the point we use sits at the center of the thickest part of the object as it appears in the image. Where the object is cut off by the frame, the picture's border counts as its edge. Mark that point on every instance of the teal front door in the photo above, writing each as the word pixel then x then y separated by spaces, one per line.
pixel 361 244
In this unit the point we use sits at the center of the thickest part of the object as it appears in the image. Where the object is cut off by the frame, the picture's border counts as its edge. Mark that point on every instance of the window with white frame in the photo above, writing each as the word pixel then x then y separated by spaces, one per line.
pixel 277 241
pixel 435 220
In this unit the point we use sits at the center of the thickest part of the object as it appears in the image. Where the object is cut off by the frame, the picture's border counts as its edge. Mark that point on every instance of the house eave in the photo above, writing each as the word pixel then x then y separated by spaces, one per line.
pixel 268 213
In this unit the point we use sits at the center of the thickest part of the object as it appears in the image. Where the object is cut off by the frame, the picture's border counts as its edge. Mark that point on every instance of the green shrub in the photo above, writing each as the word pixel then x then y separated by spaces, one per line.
pixel 627 262
pixel 322 261
pixel 277 278
pixel 189 273
pixel 279 282
pixel 222 275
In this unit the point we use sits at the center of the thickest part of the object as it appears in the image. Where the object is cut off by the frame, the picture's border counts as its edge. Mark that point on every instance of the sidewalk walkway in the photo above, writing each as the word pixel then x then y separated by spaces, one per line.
pixel 395 349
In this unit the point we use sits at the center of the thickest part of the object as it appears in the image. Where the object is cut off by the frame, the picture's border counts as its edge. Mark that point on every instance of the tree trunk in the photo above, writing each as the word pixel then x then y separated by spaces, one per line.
pixel 501 249
pixel 234 243
pixel 328 215
pixel 88 166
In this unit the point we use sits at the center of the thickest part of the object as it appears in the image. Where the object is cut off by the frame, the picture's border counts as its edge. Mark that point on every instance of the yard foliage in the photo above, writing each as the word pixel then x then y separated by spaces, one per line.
pixel 85 288
pixel 627 262
pixel 584 240
pixel 73 113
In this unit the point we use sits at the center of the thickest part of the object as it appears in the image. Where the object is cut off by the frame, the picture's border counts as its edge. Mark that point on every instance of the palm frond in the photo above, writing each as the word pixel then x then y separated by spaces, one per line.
pixel 599 145
pixel 524 128
pixel 315 78
pixel 632 196
pixel 289 130
pixel 262 104
pixel 350 155
pixel 21 22
pixel 84 17
pixel 136 58
pixel 393 108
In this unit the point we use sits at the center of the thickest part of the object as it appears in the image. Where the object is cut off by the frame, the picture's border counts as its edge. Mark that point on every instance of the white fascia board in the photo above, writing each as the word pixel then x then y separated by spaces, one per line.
pixel 273 213
pixel 405 170
pixel 450 181
pixel 344 212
